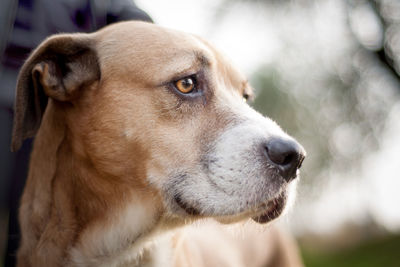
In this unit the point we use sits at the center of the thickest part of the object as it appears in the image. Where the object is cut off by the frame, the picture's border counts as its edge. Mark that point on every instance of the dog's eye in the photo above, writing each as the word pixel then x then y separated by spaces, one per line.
pixel 186 85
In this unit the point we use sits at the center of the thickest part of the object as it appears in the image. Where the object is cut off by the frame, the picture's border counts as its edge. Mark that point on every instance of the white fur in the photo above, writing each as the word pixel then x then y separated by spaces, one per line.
pixel 111 243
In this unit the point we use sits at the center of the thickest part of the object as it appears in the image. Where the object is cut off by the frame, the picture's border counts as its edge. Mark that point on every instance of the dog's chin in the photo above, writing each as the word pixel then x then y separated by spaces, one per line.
pixel 272 209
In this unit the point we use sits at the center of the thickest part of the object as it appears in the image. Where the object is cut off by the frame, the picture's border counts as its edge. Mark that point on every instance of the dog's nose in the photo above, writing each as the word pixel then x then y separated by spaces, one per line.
pixel 287 155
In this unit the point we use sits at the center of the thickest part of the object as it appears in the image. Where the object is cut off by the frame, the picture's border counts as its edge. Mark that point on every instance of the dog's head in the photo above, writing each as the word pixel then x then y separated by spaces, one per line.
pixel 166 110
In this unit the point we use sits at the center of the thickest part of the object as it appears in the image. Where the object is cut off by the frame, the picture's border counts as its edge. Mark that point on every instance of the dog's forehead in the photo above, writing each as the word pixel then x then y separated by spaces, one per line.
pixel 157 53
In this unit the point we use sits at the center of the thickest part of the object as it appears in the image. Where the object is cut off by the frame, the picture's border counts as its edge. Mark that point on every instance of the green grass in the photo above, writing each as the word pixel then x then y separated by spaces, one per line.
pixel 377 253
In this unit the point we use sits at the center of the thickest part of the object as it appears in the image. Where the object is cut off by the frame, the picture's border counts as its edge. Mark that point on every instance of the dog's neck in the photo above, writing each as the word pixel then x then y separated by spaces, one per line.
pixel 99 220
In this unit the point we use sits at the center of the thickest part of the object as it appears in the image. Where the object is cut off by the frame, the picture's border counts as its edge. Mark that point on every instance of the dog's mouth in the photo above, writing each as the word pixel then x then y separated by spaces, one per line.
pixel 272 209
pixel 266 212
pixel 187 208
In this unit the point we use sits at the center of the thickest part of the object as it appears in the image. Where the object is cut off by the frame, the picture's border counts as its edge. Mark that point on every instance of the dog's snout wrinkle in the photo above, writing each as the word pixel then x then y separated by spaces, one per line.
pixel 286 155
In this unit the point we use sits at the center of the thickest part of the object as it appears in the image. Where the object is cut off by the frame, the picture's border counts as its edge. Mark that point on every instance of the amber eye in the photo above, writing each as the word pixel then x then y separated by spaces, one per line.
pixel 186 85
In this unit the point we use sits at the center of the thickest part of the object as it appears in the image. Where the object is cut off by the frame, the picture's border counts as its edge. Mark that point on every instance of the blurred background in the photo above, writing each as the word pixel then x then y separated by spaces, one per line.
pixel 328 73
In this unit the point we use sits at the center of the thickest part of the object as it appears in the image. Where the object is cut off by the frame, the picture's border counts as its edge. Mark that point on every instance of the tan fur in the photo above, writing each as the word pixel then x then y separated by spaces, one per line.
pixel 110 134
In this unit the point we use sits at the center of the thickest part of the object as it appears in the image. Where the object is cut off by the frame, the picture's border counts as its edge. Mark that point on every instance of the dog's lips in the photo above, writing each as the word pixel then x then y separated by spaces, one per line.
pixel 264 213
pixel 272 209
pixel 188 209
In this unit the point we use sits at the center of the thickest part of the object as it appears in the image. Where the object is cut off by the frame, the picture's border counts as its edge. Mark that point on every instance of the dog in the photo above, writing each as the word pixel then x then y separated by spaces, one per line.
pixel 140 130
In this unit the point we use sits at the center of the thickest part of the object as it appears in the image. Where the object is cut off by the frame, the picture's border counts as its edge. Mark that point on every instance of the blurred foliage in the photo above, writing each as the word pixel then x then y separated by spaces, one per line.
pixel 374 253
pixel 270 99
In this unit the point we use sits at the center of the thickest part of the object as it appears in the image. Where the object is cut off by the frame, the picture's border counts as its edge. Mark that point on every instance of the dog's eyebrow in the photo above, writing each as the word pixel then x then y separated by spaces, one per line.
pixel 203 59
pixel 197 61
pixel 190 62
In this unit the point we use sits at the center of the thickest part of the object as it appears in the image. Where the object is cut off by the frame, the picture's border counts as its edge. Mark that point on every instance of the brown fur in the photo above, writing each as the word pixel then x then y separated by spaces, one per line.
pixel 83 95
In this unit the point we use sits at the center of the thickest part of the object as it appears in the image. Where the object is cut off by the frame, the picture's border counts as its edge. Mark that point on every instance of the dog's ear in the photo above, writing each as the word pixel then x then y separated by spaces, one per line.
pixel 59 68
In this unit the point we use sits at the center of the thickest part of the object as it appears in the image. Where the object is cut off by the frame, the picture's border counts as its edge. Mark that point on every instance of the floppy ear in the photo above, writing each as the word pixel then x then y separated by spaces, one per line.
pixel 59 68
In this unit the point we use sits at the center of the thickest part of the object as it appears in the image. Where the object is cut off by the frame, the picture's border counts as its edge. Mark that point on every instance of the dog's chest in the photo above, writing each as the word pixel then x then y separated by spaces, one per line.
pixel 122 237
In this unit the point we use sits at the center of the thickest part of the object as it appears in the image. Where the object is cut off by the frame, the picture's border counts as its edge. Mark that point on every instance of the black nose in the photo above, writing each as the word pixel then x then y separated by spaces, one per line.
pixel 287 155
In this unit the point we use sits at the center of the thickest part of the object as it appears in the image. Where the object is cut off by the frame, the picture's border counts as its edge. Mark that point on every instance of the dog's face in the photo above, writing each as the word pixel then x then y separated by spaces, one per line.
pixel 166 110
